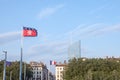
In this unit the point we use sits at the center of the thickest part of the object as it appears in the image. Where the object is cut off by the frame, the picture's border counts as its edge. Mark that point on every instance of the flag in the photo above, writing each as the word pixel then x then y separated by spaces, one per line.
pixel 8 63
pixel 52 62
pixel 29 32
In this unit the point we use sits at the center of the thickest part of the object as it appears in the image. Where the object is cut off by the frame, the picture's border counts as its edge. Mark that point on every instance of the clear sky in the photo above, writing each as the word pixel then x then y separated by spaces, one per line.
pixel 95 22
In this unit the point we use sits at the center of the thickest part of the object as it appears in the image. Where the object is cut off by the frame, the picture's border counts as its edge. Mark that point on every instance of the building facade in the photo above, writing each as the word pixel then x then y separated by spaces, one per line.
pixel 39 70
pixel 51 76
pixel 59 70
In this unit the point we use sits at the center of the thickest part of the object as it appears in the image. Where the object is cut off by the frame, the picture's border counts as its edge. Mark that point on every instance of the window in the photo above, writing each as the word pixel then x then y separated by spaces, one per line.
pixel 61 72
pixel 37 76
pixel 61 76
pixel 60 68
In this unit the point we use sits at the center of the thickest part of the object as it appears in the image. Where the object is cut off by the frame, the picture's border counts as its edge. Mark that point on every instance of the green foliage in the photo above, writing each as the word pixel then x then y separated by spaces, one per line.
pixel 13 69
pixel 93 69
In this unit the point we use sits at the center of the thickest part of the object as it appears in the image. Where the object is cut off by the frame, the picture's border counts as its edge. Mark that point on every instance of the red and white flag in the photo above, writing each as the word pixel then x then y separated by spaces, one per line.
pixel 53 62
pixel 29 32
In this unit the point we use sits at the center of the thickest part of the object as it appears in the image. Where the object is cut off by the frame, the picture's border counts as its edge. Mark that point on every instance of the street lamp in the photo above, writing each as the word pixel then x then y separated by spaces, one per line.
pixel 4 72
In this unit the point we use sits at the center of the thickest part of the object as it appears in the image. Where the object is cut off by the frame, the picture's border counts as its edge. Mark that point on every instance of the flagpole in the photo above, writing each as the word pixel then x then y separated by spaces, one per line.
pixel 26 32
pixel 4 72
pixel 21 55
pixel 24 71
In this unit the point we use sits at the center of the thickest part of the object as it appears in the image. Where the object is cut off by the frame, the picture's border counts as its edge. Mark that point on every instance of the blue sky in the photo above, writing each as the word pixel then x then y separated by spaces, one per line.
pixel 95 22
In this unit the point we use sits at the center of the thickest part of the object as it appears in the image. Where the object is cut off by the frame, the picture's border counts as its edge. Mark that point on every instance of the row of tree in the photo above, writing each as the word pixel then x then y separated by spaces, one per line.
pixel 93 69
pixel 13 69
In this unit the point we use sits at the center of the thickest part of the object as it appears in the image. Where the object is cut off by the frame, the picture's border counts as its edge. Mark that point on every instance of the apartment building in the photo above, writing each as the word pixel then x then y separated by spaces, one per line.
pixel 59 70
pixel 40 71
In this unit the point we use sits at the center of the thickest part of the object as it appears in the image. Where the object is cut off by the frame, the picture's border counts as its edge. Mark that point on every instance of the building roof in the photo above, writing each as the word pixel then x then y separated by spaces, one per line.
pixel 61 64
pixel 36 64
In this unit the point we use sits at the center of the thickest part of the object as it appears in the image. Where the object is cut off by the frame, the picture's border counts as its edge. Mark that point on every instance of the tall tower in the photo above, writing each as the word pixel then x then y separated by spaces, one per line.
pixel 74 50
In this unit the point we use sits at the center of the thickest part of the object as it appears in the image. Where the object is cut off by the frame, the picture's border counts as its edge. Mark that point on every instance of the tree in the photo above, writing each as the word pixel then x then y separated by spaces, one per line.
pixel 14 68
pixel 93 69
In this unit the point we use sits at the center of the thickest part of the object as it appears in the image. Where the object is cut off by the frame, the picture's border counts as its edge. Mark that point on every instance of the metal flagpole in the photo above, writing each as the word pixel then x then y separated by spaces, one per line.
pixel 24 71
pixel 21 55
pixel 4 72
pixel 80 49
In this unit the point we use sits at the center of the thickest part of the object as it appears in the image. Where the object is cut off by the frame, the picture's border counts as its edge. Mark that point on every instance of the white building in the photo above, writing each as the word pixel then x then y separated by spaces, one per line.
pixel 59 69
pixel 40 71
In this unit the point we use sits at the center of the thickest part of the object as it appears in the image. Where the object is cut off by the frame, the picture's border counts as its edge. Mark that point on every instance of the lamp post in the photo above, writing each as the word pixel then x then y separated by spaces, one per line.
pixel 10 75
pixel 4 72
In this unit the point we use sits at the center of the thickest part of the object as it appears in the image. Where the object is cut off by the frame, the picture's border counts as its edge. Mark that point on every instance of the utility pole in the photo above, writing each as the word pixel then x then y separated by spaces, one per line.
pixel 4 72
